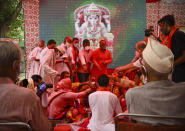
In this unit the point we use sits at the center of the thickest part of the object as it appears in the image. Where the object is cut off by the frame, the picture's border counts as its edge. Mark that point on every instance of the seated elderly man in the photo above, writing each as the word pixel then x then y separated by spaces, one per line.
pixel 17 104
pixel 159 96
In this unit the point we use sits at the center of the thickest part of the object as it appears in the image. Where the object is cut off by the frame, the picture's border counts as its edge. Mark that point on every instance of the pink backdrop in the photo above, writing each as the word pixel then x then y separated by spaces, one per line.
pixel 154 11
pixel 31 20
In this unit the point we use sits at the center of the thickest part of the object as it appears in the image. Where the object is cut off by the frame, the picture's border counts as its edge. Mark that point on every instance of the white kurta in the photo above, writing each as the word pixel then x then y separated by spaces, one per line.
pixel 35 54
pixel 103 104
pixel 47 66
pixel 70 55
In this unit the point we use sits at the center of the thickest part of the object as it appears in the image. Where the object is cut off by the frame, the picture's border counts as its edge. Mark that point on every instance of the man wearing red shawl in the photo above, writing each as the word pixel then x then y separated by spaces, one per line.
pixel 73 52
pixel 176 42
pixel 101 58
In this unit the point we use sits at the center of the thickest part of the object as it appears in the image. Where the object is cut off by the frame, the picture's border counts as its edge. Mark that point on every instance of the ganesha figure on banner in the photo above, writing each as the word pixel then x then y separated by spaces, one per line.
pixel 93 22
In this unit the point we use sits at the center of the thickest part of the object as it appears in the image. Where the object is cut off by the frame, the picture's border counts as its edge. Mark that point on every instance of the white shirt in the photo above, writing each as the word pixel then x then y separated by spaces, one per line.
pixel 47 66
pixel 103 104
pixel 70 55
pixel 35 54
pixel 84 56
pixel 44 51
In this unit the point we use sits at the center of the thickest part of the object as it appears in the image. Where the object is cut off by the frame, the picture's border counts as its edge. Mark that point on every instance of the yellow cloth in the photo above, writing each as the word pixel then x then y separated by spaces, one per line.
pixel 31 84
pixel 75 85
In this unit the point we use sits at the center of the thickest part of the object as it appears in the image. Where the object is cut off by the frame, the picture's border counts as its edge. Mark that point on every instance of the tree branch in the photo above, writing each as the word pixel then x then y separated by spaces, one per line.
pixel 15 14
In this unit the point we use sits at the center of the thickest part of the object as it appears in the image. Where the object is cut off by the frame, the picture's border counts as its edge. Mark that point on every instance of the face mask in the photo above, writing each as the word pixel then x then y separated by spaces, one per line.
pixel 67 45
pixel 40 48
pixel 93 82
pixel 87 48
pixel 76 45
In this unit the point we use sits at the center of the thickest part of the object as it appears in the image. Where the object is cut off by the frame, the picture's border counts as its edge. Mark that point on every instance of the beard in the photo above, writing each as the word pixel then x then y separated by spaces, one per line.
pixel 165 32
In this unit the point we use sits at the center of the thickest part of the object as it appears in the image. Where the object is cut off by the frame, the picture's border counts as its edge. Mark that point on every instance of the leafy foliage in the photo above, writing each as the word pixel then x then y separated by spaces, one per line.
pixel 17 28
pixel 11 19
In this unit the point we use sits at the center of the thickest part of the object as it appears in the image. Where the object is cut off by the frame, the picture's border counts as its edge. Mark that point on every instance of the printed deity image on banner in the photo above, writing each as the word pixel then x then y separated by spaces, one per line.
pixel 92 22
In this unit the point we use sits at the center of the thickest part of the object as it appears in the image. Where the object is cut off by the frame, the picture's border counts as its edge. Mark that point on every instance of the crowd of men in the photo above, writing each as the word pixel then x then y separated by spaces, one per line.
pixel 51 61
pixel 73 85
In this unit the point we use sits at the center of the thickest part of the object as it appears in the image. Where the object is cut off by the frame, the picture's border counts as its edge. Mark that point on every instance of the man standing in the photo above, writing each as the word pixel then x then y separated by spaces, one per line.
pixel 176 42
pixel 17 104
pixel 103 105
pixel 101 58
pixel 34 57
pixel 73 52
pixel 62 62
pixel 159 96
pixel 137 61
pixel 47 63
pixel 85 56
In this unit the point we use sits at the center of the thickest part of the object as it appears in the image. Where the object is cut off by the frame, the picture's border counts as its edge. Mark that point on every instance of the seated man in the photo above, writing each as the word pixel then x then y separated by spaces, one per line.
pixel 23 83
pixel 61 100
pixel 64 74
pixel 17 104
pixel 159 96
pixel 103 104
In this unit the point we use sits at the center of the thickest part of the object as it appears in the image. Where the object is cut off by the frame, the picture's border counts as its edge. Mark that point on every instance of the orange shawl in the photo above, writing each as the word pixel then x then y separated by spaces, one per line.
pixel 167 39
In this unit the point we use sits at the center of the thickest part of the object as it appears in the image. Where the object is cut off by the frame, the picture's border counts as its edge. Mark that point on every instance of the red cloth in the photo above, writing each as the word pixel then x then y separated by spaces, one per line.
pixel 102 89
pixel 75 53
pixel 62 128
pixel 59 103
pixel 99 57
pixel 123 105
pixel 167 40
pixel 146 40
pixel 84 125
pixel 152 1
pixel 110 71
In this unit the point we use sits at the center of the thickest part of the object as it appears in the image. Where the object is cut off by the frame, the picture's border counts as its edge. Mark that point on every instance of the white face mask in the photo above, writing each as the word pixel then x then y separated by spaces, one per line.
pixel 93 82
pixel 52 50
pixel 87 48
pixel 40 48
pixel 76 45
pixel 67 45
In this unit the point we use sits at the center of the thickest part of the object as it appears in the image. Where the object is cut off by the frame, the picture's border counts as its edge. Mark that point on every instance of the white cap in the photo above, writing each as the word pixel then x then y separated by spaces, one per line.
pixel 158 56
